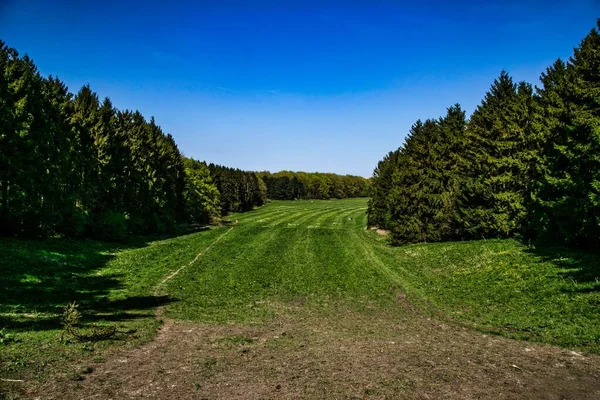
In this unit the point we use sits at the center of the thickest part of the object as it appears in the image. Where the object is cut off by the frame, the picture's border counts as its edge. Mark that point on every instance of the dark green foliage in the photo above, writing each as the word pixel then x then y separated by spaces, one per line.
pixel 239 190
pixel 76 166
pixel 492 202
pixel 451 165
pixel 34 147
pixel 526 165
pixel 288 185
pixel 415 188
pixel 381 184
pixel 409 212
pixel 568 196
pixel 424 187
pixel 416 197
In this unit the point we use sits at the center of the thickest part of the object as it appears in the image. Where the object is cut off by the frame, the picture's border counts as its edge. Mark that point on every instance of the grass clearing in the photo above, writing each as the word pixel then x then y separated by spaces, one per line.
pixel 306 255
pixel 504 287
pixel 314 256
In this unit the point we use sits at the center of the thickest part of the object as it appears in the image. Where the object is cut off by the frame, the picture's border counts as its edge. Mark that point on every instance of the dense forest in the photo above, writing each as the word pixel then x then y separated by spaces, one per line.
pixel 287 185
pixel 75 165
pixel 526 164
pixel 240 190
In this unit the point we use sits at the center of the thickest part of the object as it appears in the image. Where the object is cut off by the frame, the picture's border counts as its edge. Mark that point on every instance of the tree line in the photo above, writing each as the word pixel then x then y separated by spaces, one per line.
pixel 75 165
pixel 288 185
pixel 526 164
pixel 240 190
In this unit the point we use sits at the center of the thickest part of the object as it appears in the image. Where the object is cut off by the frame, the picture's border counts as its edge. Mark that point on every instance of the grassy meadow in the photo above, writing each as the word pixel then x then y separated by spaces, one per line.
pixel 312 254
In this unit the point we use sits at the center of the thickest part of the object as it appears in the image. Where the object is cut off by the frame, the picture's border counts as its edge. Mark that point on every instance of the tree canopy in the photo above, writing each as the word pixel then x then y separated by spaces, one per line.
pixel 526 164
pixel 288 185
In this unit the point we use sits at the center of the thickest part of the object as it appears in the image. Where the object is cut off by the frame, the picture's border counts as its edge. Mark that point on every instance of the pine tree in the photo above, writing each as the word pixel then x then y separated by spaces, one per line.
pixel 105 143
pixel 138 171
pixel 72 165
pixel 414 189
pixel 23 147
pixel 85 120
pixel 60 163
pixel 406 197
pixel 418 199
pixel 492 201
pixel 378 213
pixel 449 164
pixel 8 135
pixel 568 196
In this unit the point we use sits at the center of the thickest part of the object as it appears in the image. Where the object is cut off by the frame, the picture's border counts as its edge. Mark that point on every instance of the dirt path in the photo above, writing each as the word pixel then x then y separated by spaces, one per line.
pixel 302 355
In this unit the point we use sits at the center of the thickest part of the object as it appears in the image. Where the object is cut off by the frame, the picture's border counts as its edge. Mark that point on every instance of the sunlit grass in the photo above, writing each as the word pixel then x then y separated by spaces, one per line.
pixel 504 287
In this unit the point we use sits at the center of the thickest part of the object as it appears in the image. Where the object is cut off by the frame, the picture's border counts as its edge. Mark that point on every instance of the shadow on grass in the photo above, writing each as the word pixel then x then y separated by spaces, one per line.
pixel 582 267
pixel 122 310
pixel 39 277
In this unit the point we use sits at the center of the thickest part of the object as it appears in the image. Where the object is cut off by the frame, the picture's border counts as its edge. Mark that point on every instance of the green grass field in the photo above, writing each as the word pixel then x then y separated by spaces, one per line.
pixel 316 254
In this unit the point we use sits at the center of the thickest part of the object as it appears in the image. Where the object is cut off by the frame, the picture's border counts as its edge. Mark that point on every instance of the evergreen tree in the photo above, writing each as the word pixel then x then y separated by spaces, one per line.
pixel 71 165
pixel 422 186
pixel 61 162
pixel 378 210
pixel 85 121
pixel 407 195
pixel 568 196
pixel 493 198
pixel 239 190
pixel 450 165
pixel 8 135
pixel 104 136
pixel 22 144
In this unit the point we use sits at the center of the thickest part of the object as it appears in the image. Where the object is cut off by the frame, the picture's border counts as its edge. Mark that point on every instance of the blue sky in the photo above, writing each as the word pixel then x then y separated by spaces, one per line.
pixel 311 86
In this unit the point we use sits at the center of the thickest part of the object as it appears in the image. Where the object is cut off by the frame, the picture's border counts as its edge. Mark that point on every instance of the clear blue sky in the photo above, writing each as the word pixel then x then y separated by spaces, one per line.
pixel 323 86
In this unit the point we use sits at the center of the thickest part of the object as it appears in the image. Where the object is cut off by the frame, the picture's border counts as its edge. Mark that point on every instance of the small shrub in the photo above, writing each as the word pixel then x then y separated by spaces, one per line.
pixel 71 322
pixel 71 319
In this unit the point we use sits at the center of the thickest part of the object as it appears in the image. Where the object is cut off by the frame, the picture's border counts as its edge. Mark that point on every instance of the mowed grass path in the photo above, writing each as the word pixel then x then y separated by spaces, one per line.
pixel 302 252
pixel 311 254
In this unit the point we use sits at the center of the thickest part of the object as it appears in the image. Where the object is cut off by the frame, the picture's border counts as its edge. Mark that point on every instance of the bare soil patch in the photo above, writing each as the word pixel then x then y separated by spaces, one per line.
pixel 301 354
pixel 380 231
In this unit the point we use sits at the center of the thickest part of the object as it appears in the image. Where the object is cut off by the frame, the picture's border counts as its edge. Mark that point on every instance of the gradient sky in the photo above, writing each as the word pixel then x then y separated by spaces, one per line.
pixel 311 86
